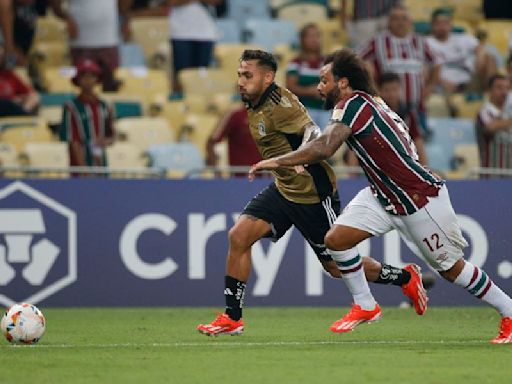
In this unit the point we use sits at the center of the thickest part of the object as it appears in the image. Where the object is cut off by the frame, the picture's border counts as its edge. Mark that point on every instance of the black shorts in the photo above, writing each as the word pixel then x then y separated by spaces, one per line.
pixel 312 220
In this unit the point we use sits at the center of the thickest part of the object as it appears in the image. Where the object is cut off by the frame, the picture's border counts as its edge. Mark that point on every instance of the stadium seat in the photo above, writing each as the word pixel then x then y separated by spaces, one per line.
pixel 143 83
pixel 50 54
pixel 447 133
pixel 243 10
pixel 22 73
pixel 52 114
pixel 227 56
pixel 269 33
pixel 466 109
pixel 131 55
pixel 228 31
pixel 422 10
pixel 51 30
pixel 438 159
pixel 303 13
pixel 145 131
pixel 8 154
pixel 151 33
pixel 20 131
pixel 124 155
pixel 468 10
pixel 177 158
pixel 207 82
pixel 124 106
pixel 58 80
pixel 197 128
pixel 173 111
pixel 436 106
pixel 55 99
pixel 498 33
pixel 50 154
pixel 466 157
pixel 332 34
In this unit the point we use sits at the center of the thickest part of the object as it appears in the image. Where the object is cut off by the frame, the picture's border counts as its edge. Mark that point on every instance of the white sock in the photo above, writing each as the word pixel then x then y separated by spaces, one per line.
pixel 475 281
pixel 351 266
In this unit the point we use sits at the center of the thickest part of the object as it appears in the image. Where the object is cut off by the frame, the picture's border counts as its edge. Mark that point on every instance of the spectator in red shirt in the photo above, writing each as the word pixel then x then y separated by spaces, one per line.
pixel 242 150
pixel 87 121
pixel 16 98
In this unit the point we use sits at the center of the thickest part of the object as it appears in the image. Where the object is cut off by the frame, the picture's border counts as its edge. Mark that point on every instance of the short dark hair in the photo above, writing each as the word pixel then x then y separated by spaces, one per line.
pixel 494 78
pixel 388 77
pixel 265 59
pixel 441 11
pixel 347 64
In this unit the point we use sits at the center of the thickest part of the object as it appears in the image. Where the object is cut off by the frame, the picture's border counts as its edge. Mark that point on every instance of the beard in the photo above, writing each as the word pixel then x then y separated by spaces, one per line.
pixel 331 98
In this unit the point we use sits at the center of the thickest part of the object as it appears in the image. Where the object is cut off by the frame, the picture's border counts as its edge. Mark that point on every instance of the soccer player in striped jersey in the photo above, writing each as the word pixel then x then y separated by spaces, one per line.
pixel 403 194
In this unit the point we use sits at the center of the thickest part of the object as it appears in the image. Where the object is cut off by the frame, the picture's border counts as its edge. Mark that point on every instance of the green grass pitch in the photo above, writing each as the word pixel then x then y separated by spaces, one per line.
pixel 280 345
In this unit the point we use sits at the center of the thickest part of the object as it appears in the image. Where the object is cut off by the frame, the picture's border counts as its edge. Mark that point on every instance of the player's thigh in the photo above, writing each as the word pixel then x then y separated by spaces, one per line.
pixel 364 214
pixel 267 207
pixel 314 221
pixel 435 231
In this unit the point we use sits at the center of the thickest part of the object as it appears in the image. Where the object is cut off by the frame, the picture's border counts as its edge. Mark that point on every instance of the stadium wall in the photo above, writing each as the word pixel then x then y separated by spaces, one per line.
pixel 100 242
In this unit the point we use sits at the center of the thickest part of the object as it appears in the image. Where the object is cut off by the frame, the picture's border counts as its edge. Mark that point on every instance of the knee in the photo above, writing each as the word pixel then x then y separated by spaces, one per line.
pixel 452 273
pixel 238 239
pixel 336 243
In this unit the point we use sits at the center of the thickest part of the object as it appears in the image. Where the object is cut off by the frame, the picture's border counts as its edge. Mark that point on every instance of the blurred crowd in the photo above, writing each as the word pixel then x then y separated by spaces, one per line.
pixel 442 64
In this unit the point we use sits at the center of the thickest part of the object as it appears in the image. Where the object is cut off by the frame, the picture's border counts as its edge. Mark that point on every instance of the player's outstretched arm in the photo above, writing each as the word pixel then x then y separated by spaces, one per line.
pixel 314 151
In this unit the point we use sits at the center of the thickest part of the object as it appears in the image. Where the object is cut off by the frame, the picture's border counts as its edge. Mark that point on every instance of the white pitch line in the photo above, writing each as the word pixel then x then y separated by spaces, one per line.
pixel 250 344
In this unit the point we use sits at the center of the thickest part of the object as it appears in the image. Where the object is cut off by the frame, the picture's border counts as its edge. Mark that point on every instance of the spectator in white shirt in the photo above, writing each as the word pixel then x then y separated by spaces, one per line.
pixel 463 59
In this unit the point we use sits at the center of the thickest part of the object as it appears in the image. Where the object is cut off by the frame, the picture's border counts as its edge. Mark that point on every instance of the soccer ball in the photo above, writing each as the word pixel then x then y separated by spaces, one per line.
pixel 23 323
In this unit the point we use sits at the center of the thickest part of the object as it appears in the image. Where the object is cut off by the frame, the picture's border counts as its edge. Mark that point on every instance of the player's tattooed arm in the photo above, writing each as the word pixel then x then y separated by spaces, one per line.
pixel 311 132
pixel 316 150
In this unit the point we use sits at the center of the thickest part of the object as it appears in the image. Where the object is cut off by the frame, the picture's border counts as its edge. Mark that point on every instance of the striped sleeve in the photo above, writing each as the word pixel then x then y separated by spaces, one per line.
pixel 356 113
pixel 368 51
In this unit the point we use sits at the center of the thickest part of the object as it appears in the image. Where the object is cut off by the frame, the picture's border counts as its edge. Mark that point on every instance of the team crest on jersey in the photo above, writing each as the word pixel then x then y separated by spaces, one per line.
pixel 261 128
pixel 337 114
pixel 285 102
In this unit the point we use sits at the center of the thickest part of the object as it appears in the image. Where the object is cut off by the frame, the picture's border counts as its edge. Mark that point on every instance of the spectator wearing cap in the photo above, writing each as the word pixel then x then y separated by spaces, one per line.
pixel 462 57
pixel 87 121
pixel 16 97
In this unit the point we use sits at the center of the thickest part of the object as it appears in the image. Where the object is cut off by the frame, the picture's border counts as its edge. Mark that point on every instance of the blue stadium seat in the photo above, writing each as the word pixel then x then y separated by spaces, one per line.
pixel 52 99
pixel 269 33
pixel 243 10
pixel 178 157
pixel 131 55
pixel 446 134
pixel 229 31
pixel 438 158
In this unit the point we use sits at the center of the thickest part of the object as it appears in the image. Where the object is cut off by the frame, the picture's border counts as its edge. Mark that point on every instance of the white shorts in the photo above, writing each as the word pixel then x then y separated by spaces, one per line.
pixel 433 231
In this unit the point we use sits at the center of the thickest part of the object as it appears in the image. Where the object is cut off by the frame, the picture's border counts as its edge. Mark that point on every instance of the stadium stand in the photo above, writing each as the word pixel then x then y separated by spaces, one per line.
pixel 152 35
pixel 269 33
pixel 145 131
pixel 21 131
pixel 123 155
pixel 303 13
pixel 243 10
pixel 177 158
pixel 228 31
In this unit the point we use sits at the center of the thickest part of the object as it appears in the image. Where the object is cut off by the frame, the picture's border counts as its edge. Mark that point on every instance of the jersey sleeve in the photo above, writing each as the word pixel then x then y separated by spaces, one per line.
pixel 367 52
pixel 356 114
pixel 290 116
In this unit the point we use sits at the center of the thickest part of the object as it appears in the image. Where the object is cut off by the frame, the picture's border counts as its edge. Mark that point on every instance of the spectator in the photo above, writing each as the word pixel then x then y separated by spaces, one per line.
pixel 192 33
pixel 87 121
pixel 509 66
pixel 242 150
pixel 494 125
pixel 401 51
pixel 24 27
pixel 6 32
pixel 93 28
pixel 149 8
pixel 389 90
pixel 16 97
pixel 369 18
pixel 463 58
pixel 303 74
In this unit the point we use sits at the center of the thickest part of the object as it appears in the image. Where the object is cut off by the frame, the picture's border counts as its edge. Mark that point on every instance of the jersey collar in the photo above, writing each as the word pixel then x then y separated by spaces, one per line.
pixel 264 97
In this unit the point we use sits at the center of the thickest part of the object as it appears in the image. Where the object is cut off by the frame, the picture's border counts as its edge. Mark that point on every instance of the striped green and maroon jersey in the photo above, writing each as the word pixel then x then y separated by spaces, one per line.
pixel 83 121
pixel 381 141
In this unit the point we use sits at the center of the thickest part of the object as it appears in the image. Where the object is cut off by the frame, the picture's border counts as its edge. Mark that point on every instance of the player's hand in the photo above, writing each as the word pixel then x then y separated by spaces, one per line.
pixel 299 168
pixel 268 164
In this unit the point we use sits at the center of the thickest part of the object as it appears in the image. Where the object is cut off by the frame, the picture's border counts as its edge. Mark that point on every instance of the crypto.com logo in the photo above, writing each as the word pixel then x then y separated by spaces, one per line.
pixel 28 249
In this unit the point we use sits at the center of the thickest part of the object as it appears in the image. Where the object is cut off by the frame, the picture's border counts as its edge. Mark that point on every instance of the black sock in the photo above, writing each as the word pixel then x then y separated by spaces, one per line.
pixel 234 294
pixel 392 275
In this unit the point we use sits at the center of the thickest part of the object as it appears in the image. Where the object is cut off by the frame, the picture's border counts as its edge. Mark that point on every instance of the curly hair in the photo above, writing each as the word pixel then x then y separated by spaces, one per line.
pixel 347 64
